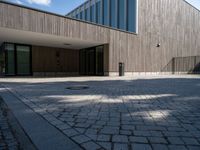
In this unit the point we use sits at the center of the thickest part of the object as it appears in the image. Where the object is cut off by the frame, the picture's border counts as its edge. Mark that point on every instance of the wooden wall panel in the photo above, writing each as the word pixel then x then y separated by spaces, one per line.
pixel 46 59
pixel 172 23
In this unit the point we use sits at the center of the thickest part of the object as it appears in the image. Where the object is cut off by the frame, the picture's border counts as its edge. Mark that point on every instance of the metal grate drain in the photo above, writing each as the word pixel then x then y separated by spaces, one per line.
pixel 78 87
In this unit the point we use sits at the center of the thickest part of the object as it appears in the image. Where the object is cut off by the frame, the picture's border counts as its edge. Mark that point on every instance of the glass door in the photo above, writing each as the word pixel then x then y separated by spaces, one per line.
pixel 23 60
pixel 99 61
pixel 82 62
pixel 91 61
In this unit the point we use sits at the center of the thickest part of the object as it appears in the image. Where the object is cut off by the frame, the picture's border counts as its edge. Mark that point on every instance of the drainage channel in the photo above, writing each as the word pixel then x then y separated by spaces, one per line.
pixel 78 87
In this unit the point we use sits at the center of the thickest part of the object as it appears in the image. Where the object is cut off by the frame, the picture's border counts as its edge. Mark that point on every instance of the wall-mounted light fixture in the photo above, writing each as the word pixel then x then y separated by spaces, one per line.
pixel 67 44
pixel 158 45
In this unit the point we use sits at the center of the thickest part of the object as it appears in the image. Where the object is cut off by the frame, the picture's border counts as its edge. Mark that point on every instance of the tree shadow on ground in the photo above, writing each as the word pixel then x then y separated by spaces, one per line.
pixel 159 104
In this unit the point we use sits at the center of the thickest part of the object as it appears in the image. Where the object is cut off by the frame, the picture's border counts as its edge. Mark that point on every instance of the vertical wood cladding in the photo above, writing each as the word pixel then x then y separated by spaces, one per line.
pixel 46 59
pixel 172 23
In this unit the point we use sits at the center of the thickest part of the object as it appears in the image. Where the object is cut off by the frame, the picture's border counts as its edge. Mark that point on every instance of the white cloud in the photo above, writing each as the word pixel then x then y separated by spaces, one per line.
pixel 18 2
pixel 40 2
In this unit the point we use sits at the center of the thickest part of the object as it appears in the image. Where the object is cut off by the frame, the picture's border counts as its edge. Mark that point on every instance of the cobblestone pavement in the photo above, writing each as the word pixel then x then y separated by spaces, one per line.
pixel 7 138
pixel 140 113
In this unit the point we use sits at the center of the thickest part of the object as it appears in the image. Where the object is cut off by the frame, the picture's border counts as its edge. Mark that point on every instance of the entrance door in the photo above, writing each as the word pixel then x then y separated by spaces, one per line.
pixel 91 61
pixel 99 61
pixel 90 58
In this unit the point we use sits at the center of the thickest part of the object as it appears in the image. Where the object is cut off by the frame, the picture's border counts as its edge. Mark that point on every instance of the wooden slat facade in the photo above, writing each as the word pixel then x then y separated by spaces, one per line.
pixel 172 23
pixel 54 60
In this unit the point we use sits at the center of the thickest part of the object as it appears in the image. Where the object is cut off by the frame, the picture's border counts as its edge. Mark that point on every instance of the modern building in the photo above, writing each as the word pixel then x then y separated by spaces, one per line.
pixel 96 38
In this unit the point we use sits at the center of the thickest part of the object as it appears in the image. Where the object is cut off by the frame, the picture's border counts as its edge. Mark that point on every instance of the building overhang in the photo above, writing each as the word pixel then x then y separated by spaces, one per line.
pixel 41 39
pixel 19 24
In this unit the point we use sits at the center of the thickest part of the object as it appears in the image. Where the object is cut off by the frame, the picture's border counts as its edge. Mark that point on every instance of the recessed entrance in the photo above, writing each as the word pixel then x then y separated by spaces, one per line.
pixel 91 61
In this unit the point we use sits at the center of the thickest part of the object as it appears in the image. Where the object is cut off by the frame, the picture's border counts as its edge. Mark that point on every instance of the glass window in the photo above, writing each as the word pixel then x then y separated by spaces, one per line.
pixel 81 15
pixel 2 61
pixel 122 14
pixel 106 12
pixel 92 13
pixel 132 8
pixel 78 13
pixel 113 13
pixel 10 59
pixel 92 16
pixel 98 12
pixel 23 60
pixel 74 14
pixel 99 61
pixel 87 14
pixel 77 17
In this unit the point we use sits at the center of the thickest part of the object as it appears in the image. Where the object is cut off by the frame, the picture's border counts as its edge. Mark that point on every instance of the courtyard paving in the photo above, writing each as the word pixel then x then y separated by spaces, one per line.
pixel 8 141
pixel 129 113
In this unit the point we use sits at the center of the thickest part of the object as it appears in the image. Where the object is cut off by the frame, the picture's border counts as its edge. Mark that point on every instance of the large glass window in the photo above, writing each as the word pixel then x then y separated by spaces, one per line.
pixel 10 59
pixel 91 61
pixel 87 14
pixel 113 13
pixel 99 61
pixel 98 12
pixel 122 14
pixel 2 61
pixel 106 12
pixel 77 16
pixel 92 18
pixel 132 10
pixel 17 59
pixel 81 15
pixel 23 60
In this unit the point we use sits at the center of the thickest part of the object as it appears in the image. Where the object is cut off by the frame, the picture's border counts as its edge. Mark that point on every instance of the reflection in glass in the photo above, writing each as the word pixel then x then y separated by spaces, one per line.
pixel 98 12
pixel 106 12
pixel 122 15
pixel 92 18
pixel 10 58
pixel 23 60
pixel 87 14
pixel 2 61
pixel 81 15
pixel 113 13
pixel 131 15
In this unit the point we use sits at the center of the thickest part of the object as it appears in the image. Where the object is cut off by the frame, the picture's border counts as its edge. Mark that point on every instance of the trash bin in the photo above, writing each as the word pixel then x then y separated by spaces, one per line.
pixel 121 69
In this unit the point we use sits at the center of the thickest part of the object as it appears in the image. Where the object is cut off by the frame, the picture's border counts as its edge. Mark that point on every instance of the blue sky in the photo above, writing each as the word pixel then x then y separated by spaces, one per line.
pixel 64 6
pixel 195 3
pixel 56 6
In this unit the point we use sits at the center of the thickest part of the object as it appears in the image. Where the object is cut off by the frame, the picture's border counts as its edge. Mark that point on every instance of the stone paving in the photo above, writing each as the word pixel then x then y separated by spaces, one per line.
pixel 7 138
pixel 129 113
